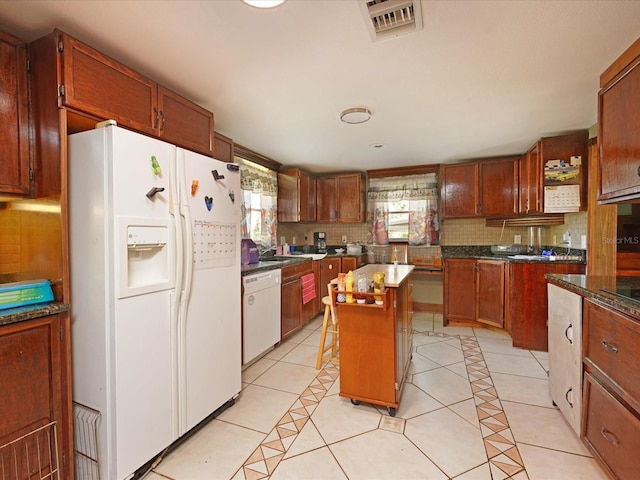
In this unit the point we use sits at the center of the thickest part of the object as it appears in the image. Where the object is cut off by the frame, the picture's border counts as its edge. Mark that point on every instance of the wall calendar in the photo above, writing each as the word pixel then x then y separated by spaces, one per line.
pixel 214 244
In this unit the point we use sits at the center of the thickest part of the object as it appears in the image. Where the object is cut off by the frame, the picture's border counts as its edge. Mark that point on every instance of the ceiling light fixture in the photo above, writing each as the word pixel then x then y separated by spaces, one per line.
pixel 264 3
pixel 355 115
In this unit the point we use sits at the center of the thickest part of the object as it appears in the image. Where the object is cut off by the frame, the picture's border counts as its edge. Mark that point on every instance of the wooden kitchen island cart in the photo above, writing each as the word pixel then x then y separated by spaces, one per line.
pixel 376 340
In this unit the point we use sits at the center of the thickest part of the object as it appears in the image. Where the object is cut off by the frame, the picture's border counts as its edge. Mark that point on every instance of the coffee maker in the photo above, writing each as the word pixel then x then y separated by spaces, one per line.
pixel 319 242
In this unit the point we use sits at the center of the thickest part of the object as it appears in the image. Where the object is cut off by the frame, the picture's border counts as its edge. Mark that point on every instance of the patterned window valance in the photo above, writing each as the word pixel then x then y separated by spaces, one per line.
pixel 257 178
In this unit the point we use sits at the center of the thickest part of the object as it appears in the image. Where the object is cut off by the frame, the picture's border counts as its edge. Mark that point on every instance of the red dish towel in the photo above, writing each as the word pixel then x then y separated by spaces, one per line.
pixel 308 287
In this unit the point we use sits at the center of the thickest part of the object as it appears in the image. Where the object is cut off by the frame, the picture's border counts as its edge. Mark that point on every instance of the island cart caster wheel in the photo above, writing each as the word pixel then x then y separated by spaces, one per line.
pixel 355 402
pixel 392 411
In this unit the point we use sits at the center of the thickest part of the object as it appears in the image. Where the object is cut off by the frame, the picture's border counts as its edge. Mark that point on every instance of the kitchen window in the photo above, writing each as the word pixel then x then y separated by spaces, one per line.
pixel 403 208
pixel 259 202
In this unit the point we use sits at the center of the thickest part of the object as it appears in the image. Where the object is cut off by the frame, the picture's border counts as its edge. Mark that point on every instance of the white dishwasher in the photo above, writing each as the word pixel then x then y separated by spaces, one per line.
pixel 260 313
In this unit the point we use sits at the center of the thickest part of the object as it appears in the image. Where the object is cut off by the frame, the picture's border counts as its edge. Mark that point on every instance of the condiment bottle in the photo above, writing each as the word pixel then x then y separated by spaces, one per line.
pixel 349 287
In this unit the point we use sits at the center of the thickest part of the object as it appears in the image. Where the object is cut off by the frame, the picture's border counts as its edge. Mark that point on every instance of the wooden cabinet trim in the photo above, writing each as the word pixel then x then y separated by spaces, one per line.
pixel 621 63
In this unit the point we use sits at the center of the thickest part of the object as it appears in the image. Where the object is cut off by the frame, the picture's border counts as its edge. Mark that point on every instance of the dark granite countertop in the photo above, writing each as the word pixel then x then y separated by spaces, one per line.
pixel 592 286
pixel 30 312
pixel 280 261
pixel 483 252
pixel 276 263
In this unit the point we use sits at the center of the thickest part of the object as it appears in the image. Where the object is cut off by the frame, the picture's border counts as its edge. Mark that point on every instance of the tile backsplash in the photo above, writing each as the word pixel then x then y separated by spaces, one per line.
pixel 469 231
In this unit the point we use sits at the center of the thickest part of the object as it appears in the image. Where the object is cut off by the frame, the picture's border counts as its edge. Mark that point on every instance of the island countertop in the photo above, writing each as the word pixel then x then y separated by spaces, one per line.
pixel 394 275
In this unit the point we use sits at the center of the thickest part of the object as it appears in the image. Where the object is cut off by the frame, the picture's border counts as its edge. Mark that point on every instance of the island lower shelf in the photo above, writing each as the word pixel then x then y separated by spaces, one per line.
pixel 375 347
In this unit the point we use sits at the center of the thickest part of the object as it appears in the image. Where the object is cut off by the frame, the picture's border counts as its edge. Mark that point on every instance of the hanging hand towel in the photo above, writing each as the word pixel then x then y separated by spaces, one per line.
pixel 308 287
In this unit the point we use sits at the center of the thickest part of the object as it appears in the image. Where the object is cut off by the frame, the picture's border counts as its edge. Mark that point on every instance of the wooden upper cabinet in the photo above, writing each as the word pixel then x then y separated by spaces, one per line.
pixel 560 147
pixel 459 190
pixel 351 203
pixel 327 199
pixel 184 123
pixel 530 182
pixel 341 198
pixel 619 128
pixel 14 117
pixel 296 196
pixel 223 150
pixel 498 187
pixel 97 85
pixel 92 82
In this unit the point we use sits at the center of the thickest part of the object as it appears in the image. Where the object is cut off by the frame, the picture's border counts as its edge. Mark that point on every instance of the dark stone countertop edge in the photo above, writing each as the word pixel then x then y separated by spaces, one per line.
pixel 590 287
pixel 30 312
pixel 483 252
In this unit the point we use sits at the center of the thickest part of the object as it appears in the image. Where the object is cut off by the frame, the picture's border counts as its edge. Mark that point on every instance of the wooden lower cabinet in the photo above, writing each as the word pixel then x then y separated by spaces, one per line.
pixel 474 291
pixel 611 420
pixel 527 294
pixel 459 290
pixel 35 388
pixel 611 431
pixel 375 348
pixel 490 292
pixel 294 313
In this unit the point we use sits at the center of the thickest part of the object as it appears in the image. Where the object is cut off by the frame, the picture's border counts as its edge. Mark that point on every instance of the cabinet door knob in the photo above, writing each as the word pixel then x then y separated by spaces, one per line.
pixel 330 267
pixel 566 334
pixel 611 348
pixel 609 437
pixel 566 396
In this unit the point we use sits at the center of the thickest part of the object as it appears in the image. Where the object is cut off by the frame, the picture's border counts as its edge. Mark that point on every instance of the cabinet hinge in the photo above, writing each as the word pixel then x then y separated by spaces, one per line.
pixel 60 45
pixel 61 332
pixel 60 90
pixel 28 66
pixel 396 386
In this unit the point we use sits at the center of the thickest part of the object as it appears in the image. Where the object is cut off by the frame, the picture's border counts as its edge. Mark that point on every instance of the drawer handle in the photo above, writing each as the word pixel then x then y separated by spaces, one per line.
pixel 566 332
pixel 610 437
pixel 566 396
pixel 606 346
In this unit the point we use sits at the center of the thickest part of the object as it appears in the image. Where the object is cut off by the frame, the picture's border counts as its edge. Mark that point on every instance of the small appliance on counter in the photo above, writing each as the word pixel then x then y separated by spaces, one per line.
pixel 320 242
pixel 515 249
pixel 20 294
pixel 248 252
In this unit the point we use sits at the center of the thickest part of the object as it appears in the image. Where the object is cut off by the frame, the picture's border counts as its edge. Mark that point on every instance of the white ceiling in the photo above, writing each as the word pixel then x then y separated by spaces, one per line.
pixel 482 78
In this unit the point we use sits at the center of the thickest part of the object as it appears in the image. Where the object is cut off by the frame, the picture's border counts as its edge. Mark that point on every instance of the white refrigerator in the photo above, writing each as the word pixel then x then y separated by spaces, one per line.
pixel 155 290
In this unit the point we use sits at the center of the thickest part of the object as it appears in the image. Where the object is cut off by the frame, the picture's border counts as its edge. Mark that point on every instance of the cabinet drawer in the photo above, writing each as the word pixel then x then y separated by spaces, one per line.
pixel 292 271
pixel 612 342
pixel 611 431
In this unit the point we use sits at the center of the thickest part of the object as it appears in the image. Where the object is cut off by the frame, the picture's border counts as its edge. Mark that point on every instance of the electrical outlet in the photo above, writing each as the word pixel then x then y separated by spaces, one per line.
pixel 344 239
pixel 517 239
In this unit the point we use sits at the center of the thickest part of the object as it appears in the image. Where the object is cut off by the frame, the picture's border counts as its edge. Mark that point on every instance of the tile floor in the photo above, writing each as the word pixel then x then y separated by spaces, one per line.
pixel 473 408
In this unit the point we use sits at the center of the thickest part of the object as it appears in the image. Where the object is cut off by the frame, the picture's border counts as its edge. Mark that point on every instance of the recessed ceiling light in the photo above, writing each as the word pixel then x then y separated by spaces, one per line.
pixel 355 115
pixel 264 3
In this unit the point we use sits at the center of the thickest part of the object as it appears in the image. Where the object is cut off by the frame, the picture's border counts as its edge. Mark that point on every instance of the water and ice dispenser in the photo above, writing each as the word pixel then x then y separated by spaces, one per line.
pixel 149 265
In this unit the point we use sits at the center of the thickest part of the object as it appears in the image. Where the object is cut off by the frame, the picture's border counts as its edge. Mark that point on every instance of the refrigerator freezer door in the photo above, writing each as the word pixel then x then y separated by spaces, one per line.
pixel 121 347
pixel 210 322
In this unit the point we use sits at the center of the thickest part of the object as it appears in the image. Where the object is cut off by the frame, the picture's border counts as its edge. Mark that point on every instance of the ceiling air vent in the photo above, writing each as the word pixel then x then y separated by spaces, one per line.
pixel 390 18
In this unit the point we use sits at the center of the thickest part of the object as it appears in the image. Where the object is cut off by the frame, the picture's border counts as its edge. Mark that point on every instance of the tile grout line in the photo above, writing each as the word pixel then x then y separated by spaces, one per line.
pixel 502 453
pixel 504 457
pixel 266 457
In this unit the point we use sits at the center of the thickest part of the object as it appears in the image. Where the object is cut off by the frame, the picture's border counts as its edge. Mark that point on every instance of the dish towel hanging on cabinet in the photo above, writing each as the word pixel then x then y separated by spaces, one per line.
pixel 308 287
